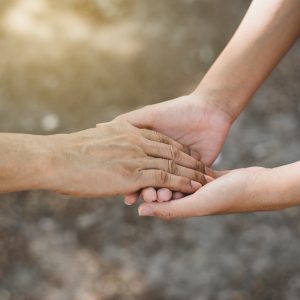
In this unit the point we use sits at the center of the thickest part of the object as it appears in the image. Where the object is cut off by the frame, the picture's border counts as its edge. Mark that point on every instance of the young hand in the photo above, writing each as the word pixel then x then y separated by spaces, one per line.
pixel 242 190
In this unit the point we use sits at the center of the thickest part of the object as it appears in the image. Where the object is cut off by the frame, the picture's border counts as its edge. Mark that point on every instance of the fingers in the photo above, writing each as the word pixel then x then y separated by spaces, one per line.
pixel 161 195
pixel 160 178
pixel 164 195
pixel 208 178
pixel 131 199
pixel 175 209
pixel 170 152
pixel 149 194
pixel 161 138
pixel 171 167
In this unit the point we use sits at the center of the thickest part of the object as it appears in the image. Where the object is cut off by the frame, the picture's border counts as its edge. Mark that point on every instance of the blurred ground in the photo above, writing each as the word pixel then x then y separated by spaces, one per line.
pixel 66 65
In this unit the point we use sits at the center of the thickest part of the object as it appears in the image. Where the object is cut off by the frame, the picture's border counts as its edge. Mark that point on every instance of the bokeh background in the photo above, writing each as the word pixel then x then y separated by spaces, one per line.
pixel 66 65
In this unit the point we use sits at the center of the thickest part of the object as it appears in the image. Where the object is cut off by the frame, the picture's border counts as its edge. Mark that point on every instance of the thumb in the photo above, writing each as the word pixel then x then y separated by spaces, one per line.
pixel 142 118
pixel 189 206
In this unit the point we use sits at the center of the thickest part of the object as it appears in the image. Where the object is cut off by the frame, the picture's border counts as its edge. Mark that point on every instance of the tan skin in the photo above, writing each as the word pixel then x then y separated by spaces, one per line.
pixel 113 159
pixel 203 119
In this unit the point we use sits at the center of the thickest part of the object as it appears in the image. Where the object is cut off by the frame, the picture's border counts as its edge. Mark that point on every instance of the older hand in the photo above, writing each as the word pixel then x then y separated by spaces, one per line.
pixel 117 158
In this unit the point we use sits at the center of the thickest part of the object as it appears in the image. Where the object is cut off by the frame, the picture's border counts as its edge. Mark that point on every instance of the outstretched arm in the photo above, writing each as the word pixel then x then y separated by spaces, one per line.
pixel 243 190
pixel 267 32
pixel 202 119
pixel 24 161
pixel 113 159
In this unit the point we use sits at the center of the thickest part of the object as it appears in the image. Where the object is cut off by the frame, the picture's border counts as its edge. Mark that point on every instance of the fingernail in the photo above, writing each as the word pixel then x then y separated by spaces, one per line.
pixel 196 185
pixel 146 210
pixel 128 202
pixel 130 199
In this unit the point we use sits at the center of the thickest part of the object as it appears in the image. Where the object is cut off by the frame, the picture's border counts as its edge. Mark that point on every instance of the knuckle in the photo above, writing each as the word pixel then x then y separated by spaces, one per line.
pixel 134 151
pixel 166 216
pixel 161 177
pixel 186 149
pixel 134 139
pixel 184 183
pixel 197 176
pixel 140 163
pixel 138 175
pixel 200 166
pixel 131 137
pixel 138 179
pixel 204 181
pixel 172 167
pixel 175 154
pixel 201 179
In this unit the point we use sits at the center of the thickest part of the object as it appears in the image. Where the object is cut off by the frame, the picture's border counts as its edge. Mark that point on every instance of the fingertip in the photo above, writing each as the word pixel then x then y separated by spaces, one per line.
pixel 196 185
pixel 177 195
pixel 130 199
pixel 149 194
pixel 145 210
pixel 208 178
pixel 164 195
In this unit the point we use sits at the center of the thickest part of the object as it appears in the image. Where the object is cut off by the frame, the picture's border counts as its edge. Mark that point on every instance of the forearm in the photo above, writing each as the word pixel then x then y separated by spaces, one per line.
pixel 266 189
pixel 284 181
pixel 24 160
pixel 113 159
pixel 266 33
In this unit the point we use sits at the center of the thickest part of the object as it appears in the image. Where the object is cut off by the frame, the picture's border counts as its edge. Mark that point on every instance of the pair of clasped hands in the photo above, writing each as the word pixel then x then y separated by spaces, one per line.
pixel 161 153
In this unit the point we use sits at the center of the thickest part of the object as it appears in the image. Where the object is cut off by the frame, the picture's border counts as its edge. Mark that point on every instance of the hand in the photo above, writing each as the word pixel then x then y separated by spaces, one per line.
pixel 194 121
pixel 117 158
pixel 241 190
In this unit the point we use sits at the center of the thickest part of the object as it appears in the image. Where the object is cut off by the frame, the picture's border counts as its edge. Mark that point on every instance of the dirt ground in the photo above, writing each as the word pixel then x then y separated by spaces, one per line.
pixel 67 65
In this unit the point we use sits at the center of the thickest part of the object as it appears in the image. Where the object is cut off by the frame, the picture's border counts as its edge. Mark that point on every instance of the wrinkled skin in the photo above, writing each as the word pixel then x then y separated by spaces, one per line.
pixel 117 158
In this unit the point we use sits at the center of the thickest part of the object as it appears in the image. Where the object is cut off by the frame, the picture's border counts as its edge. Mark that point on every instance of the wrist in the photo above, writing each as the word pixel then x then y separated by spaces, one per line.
pixel 226 100
pixel 285 179
pixel 213 102
pixel 24 162
pixel 40 163
pixel 51 165
pixel 274 189
pixel 257 191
